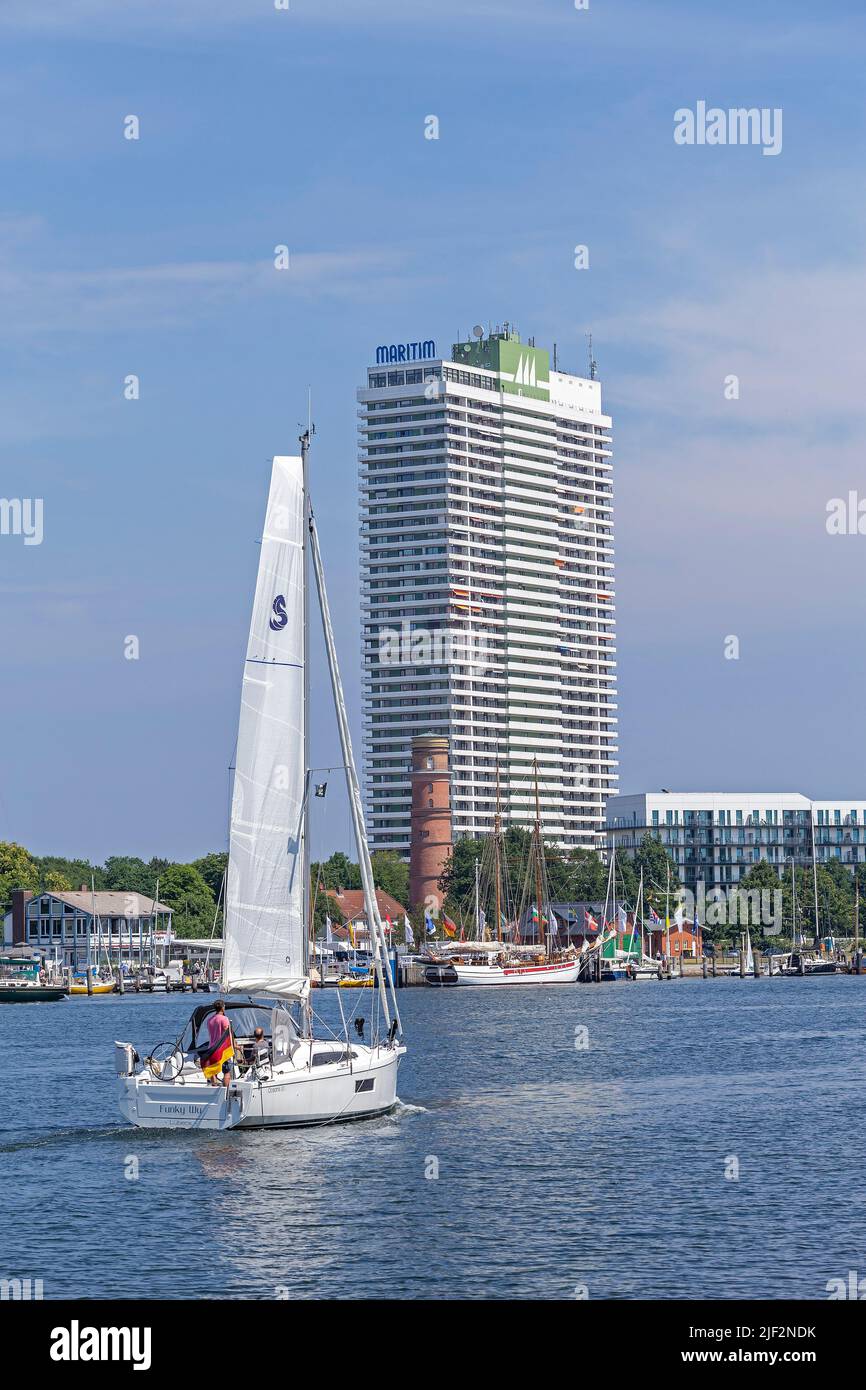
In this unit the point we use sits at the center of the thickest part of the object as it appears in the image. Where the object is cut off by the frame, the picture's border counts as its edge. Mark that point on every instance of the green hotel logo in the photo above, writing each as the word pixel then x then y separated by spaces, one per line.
pixel 524 370
pixel 529 367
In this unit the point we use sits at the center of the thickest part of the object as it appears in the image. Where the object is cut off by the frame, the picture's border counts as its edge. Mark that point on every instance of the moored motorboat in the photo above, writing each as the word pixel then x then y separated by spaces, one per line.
pixel 30 992
pixel 23 981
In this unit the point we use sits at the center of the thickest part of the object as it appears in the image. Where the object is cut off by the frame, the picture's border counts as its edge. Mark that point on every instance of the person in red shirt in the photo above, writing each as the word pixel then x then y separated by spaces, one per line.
pixel 221 1048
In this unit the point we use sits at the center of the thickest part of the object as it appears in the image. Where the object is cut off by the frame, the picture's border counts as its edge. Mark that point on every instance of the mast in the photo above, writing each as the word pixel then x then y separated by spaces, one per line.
pixel 793 905
pixel 640 918
pixel 538 857
pixel 497 824
pixel 814 873
pixel 856 912
pixel 89 934
pixel 381 963
pixel 668 914
pixel 307 897
pixel 477 917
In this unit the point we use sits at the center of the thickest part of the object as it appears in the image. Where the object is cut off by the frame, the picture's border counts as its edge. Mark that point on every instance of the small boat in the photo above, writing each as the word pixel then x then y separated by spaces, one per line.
pixel 22 981
pixel 441 973
pixel 291 1077
pixel 79 986
pixel 357 981
pixel 22 991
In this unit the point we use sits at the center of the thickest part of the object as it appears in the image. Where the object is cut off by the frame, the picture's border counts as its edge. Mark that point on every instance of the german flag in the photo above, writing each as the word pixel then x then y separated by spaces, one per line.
pixel 223 1052
pixel 450 927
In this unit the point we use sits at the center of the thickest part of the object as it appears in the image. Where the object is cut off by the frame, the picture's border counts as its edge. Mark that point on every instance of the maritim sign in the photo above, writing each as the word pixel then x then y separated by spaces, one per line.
pixel 405 352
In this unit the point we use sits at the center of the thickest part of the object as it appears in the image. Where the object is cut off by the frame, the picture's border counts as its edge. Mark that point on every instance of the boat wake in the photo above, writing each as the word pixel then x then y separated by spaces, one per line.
pixel 405 1107
pixel 62 1136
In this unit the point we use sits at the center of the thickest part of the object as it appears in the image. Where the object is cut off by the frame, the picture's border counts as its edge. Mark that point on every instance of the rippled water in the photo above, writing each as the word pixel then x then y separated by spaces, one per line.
pixel 557 1166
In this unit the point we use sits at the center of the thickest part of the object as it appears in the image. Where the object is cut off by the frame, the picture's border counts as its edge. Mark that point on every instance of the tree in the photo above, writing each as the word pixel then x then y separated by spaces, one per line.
pixel 457 880
pixel 325 906
pixel 653 858
pixel 182 888
pixel 18 869
pixel 65 875
pixel 129 874
pixel 586 877
pixel 212 867
pixel 391 874
pixel 52 881
pixel 337 872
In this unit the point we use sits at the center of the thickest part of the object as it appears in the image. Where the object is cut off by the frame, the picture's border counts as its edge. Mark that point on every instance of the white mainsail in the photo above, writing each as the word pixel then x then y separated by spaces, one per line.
pixel 264 941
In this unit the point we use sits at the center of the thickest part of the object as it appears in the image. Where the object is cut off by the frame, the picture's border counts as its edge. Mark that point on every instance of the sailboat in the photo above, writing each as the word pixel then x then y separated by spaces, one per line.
pixel 750 958
pixel 496 963
pixel 291 1077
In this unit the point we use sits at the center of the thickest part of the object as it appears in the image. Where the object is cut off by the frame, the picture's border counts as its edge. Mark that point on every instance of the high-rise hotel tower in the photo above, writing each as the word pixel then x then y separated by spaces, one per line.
pixel 487 586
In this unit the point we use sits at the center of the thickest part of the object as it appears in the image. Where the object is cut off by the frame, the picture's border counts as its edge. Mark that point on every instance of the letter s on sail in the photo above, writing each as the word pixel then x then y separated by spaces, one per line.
pixel 280 616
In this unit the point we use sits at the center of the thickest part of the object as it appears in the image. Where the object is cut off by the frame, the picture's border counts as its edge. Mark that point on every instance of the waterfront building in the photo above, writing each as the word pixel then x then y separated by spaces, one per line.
pixel 350 904
pixel 120 926
pixel 487 586
pixel 714 838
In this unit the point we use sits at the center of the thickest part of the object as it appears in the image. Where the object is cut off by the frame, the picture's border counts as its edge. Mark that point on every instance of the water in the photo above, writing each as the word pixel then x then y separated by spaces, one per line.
pixel 558 1167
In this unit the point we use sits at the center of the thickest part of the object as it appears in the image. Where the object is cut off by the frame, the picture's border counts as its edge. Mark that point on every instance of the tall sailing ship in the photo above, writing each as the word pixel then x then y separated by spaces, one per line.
pixel 291 1075
pixel 498 962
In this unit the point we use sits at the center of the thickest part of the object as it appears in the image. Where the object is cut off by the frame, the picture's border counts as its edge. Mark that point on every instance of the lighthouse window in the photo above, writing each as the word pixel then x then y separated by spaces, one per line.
pixel 430 764
pixel 429 786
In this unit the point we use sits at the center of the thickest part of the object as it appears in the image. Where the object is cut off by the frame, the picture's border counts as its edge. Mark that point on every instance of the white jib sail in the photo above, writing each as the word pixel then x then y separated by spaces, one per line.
pixel 263 948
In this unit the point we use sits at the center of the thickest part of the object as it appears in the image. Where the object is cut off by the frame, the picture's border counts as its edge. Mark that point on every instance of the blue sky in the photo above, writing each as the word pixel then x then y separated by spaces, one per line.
pixel 261 127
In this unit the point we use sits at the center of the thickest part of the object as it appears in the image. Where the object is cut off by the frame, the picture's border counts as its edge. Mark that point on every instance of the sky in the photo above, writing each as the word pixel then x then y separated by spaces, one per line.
pixel 261 127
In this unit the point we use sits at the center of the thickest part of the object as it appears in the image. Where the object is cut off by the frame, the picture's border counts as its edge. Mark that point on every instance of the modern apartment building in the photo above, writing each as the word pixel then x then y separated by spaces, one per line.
pixel 487 585
pixel 715 837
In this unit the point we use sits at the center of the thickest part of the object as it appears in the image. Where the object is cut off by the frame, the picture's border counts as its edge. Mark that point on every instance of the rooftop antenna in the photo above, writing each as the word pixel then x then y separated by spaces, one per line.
pixel 554 356
pixel 478 331
pixel 593 365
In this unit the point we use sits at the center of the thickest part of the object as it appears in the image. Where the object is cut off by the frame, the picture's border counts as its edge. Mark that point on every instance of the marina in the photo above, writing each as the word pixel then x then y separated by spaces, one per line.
pixel 670 1083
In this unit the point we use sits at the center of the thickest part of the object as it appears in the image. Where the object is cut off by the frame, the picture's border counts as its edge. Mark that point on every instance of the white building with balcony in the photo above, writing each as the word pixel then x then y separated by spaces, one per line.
pixel 112 926
pixel 487 586
pixel 716 837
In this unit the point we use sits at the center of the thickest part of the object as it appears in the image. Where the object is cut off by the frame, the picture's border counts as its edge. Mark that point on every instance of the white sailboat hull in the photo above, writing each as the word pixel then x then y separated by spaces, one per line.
pixel 294 1095
pixel 548 973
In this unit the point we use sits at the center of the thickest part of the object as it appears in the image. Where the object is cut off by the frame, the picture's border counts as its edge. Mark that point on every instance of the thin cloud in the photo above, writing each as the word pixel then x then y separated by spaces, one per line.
pixel 162 295
pixel 792 337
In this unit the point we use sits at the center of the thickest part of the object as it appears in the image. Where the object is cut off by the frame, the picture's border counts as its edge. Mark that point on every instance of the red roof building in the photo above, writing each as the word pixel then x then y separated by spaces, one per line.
pixel 350 902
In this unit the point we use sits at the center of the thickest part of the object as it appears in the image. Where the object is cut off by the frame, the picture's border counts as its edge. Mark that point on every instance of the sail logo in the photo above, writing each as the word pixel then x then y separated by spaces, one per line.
pixel 279 615
pixel 525 374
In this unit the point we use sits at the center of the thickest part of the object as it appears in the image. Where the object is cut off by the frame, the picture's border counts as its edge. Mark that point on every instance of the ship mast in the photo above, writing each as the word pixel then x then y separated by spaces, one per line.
pixel 497 830
pixel 307 898
pixel 538 857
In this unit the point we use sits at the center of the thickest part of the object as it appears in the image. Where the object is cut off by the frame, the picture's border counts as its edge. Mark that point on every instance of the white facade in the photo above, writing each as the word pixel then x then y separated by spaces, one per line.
pixel 716 837
pixel 62 926
pixel 487 586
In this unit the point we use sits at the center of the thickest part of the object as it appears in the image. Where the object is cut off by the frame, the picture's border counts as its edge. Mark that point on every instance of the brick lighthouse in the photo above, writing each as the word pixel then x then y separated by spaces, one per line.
pixel 430 843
